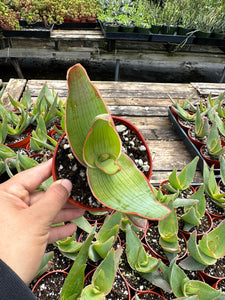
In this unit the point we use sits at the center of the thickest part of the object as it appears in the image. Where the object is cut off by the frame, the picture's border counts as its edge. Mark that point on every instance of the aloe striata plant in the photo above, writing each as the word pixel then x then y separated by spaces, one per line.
pixel 113 178
pixel 211 186
pixel 214 144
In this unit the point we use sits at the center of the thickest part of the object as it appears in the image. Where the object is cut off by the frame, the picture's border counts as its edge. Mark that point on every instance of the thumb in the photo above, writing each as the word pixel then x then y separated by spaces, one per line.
pixel 51 203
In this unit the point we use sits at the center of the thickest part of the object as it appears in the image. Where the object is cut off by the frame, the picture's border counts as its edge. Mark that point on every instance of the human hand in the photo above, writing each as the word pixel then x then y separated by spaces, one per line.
pixel 27 215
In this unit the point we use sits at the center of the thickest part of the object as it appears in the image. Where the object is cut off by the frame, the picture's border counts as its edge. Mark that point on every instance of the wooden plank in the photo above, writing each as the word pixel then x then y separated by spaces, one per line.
pixel 158 176
pixel 75 53
pixel 14 88
pixel 204 89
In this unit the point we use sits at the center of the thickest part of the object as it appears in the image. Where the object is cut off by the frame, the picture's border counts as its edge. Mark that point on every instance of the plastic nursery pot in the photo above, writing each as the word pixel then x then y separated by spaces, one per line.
pixel 212 274
pixel 149 295
pixel 199 233
pixel 202 34
pixel 210 161
pixel 22 141
pixel 196 141
pixel 219 285
pixel 111 27
pixel 152 241
pixel 190 190
pixel 50 284
pixel 168 29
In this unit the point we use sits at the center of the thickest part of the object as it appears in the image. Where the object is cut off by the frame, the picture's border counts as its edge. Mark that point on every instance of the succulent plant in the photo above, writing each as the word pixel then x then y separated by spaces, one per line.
pixel 113 178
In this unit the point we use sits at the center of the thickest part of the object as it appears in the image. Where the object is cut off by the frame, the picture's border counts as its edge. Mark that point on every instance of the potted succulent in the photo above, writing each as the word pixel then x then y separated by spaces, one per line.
pixel 198 134
pixel 213 149
pixel 96 144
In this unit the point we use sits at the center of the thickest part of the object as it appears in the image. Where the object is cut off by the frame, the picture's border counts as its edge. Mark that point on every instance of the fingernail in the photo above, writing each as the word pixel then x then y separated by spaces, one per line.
pixel 67 184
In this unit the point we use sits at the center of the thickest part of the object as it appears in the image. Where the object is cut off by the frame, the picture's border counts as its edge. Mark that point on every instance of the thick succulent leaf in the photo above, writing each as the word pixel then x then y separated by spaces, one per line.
pixel 196 253
pixel 193 214
pixel 73 284
pixel 127 191
pixel 212 243
pixel 136 254
pixel 168 227
pixel 102 248
pixel 203 290
pixel 89 292
pixel 177 279
pixel 102 147
pixel 83 224
pixel 106 271
pixel 110 221
pixel 74 287
pixel 83 104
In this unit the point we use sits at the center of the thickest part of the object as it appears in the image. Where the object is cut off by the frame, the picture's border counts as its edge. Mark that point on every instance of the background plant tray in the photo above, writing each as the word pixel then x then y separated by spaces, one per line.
pixel 124 35
pixel 78 25
pixel 37 30
pixel 167 38
pixel 209 41
pixel 188 143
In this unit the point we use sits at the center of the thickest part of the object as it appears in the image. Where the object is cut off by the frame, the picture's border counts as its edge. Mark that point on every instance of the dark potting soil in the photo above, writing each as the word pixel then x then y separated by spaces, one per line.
pixel 221 285
pixel 217 270
pixel 50 286
pixel 212 208
pixel 67 165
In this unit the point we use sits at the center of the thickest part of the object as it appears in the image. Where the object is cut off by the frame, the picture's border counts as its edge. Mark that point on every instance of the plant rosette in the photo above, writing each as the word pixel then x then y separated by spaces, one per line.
pixel 152 237
pixel 134 280
pixel 198 142
pixel 112 176
pixel 208 158
pixel 141 156
pixel 120 289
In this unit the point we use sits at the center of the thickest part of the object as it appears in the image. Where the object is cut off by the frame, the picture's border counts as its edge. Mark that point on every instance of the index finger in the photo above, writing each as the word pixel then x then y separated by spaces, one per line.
pixel 32 178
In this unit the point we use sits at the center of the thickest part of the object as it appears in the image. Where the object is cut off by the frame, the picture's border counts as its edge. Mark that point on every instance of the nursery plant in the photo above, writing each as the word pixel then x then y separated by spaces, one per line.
pixel 205 251
pixel 113 178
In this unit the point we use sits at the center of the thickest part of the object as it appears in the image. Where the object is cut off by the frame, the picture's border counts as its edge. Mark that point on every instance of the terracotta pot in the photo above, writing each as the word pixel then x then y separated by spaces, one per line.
pixel 210 161
pixel 148 175
pixel 149 293
pixel 197 142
